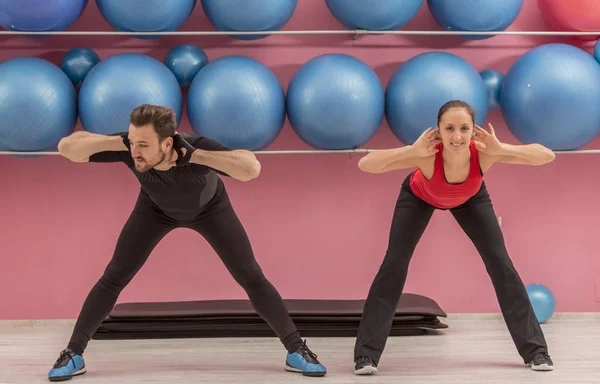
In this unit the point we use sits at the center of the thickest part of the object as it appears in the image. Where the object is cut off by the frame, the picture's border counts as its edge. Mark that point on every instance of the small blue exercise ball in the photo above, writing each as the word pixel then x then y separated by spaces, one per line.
pixel 378 15
pixel 597 51
pixel 422 84
pixel 237 101
pixel 550 96
pixel 146 15
pixel 475 15
pixel 249 15
pixel 185 61
pixel 335 101
pixel 78 62
pixel 542 301
pixel 38 104
pixel 40 15
pixel 120 83
pixel 493 82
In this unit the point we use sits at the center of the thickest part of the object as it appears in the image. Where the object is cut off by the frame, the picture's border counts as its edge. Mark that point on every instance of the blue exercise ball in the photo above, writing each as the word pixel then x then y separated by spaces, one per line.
pixel 550 96
pixel 146 15
pixel 78 62
pixel 475 15
pixel 40 15
pixel 38 104
pixel 542 301
pixel 185 61
pixel 493 82
pixel 597 51
pixel 118 84
pixel 249 15
pixel 335 101
pixel 237 101
pixel 422 84
pixel 374 14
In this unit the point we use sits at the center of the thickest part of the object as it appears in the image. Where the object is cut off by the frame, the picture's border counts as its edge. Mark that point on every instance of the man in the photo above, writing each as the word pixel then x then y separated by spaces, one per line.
pixel 180 188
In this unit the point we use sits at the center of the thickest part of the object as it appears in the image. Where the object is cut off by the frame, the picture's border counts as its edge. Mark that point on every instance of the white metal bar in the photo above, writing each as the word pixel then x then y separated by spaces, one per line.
pixel 302 152
pixel 304 32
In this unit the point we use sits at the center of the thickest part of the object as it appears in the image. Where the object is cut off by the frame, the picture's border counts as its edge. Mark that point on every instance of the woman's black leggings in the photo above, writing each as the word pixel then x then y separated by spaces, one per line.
pixel 478 220
pixel 220 226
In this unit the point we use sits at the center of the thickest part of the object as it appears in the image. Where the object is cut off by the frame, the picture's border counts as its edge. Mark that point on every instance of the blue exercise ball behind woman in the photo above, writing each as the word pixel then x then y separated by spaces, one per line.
pixel 38 104
pixel 493 82
pixel 542 300
pixel 422 84
pixel 237 101
pixel 550 95
pixel 118 84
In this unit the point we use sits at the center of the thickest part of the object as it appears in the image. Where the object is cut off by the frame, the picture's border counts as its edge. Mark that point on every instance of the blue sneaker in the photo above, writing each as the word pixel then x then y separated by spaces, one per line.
pixel 304 361
pixel 67 365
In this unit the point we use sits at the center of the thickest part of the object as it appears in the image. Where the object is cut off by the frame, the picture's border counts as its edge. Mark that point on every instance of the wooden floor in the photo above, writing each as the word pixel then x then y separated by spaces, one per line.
pixel 475 349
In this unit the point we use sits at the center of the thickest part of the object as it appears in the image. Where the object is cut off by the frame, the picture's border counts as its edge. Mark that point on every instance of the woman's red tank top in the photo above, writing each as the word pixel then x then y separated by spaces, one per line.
pixel 441 194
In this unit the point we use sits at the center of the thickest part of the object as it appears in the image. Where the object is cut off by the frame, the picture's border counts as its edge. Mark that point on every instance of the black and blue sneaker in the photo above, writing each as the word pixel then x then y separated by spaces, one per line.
pixel 304 361
pixel 67 365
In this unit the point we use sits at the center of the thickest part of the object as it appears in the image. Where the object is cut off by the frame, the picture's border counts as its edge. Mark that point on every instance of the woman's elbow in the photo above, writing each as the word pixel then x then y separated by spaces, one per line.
pixel 65 148
pixel 548 157
pixel 363 164
pixel 366 165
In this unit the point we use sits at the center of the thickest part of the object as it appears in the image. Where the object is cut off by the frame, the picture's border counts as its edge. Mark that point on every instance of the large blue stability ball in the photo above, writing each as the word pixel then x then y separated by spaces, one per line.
pixel 237 101
pixel 550 96
pixel 40 15
pixel 335 101
pixel 475 15
pixel 185 61
pixel 249 15
pixel 542 301
pixel 146 15
pixel 421 85
pixel 118 84
pixel 38 104
pixel 374 14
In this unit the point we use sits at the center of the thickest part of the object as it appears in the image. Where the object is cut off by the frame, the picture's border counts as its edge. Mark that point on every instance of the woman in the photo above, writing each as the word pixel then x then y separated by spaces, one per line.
pixel 450 160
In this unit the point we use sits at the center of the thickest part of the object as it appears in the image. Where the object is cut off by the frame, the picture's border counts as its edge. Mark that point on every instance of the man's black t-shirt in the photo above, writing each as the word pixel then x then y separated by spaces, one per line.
pixel 181 192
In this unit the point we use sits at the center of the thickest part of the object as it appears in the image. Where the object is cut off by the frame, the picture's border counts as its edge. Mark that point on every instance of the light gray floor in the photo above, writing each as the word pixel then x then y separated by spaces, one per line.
pixel 475 349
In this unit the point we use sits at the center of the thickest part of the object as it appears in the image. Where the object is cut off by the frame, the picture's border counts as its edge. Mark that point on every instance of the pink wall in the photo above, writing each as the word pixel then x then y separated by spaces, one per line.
pixel 321 225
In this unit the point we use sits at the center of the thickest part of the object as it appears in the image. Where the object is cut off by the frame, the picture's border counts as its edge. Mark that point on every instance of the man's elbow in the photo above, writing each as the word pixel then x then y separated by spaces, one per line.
pixel 250 171
pixel 253 171
pixel 63 146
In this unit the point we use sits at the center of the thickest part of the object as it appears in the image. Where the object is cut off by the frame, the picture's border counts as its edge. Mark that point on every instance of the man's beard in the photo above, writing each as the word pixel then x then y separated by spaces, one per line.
pixel 145 167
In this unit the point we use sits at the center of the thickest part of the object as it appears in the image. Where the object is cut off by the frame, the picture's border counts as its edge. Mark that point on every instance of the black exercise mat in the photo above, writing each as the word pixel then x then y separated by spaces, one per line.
pixel 189 326
pixel 248 319
pixel 409 304
pixel 100 335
